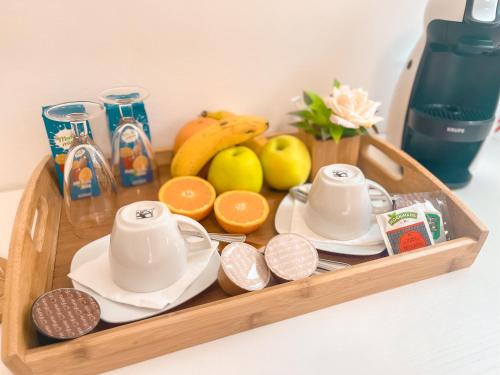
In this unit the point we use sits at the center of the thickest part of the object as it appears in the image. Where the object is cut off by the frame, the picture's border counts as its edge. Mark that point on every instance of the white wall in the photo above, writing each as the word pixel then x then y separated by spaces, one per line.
pixel 247 56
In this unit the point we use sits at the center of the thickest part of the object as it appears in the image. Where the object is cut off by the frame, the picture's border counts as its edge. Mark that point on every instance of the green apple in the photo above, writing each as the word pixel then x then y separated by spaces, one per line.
pixel 236 168
pixel 286 162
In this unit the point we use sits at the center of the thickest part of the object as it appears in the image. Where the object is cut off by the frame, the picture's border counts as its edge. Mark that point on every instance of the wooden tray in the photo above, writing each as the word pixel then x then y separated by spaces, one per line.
pixel 43 244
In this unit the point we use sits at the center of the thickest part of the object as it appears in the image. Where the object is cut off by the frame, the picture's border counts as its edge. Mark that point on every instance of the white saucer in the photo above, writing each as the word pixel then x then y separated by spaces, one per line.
pixel 114 312
pixel 283 221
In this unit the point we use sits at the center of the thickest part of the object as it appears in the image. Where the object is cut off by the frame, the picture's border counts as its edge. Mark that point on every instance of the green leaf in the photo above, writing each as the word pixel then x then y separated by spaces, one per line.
pixel 305 114
pixel 318 130
pixel 324 134
pixel 307 99
pixel 315 100
pixel 301 125
pixel 319 111
pixel 336 83
pixel 321 119
pixel 348 132
pixel 336 132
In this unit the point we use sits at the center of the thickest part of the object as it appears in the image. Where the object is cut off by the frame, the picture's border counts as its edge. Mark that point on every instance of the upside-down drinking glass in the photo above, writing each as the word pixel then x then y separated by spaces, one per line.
pixel 132 153
pixel 89 184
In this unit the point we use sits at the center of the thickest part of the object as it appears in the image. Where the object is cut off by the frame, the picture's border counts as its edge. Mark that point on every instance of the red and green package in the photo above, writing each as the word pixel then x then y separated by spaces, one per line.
pixel 405 229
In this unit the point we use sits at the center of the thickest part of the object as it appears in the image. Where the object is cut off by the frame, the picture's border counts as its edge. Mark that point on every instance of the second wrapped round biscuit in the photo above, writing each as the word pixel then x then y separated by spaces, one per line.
pixel 291 257
pixel 243 269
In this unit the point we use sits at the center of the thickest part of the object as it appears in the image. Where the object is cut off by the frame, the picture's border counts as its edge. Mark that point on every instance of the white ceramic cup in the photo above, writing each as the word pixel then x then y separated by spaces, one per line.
pixel 339 205
pixel 147 250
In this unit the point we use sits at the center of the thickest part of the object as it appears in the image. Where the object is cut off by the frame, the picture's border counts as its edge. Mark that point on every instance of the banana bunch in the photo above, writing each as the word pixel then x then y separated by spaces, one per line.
pixel 256 144
pixel 218 115
pixel 199 148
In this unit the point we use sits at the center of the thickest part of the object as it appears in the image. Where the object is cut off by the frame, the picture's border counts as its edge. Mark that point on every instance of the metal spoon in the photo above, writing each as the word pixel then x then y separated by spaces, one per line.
pixel 222 237
pixel 326 265
pixel 301 195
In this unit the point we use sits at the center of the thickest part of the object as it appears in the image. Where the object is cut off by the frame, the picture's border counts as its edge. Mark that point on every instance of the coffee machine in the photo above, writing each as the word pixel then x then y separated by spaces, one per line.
pixel 444 104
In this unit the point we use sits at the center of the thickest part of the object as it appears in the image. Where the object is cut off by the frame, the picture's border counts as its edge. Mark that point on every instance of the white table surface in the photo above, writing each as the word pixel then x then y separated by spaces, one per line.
pixel 445 325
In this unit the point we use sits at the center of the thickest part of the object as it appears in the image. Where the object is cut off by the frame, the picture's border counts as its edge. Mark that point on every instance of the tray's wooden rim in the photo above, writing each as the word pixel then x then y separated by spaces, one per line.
pixel 412 166
pixel 263 307
pixel 100 345
pixel 42 244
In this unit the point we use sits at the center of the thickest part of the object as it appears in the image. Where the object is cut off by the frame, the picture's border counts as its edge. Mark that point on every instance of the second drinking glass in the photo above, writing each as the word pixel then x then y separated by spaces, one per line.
pixel 132 154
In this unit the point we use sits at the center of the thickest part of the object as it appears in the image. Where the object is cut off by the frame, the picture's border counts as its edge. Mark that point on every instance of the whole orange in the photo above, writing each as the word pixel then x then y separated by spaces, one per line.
pixel 191 128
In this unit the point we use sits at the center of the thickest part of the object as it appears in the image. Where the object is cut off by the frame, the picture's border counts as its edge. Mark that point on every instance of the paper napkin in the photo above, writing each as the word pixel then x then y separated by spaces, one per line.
pixel 96 275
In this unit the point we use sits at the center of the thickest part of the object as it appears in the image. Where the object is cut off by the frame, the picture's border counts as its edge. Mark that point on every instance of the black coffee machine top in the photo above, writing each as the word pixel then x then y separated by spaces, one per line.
pixel 455 93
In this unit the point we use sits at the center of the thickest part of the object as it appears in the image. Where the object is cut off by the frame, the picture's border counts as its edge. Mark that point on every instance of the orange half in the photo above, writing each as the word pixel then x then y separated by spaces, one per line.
pixel 241 211
pixel 189 196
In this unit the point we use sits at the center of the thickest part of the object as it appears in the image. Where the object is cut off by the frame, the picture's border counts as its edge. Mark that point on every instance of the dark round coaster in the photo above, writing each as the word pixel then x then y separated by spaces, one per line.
pixel 65 313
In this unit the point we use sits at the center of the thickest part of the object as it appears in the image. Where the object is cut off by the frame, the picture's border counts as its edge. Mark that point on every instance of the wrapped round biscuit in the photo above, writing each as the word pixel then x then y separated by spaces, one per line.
pixel 291 257
pixel 243 269
pixel 65 313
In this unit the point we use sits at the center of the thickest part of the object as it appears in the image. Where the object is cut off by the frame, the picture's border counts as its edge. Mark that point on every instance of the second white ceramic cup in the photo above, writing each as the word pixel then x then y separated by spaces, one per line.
pixel 339 204
pixel 147 250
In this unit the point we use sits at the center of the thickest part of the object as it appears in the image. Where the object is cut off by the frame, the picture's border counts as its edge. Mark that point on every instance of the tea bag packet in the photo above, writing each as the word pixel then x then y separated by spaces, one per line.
pixel 435 221
pixel 405 229
pixel 435 209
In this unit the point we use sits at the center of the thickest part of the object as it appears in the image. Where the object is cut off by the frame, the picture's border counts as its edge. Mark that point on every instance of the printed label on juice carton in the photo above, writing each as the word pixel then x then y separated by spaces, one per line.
pixel 135 110
pixel 60 136
pixel 135 165
pixel 83 179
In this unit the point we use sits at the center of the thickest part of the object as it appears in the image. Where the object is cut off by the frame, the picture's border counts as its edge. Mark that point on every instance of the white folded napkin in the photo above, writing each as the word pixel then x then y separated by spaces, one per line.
pixel 96 275
pixel 299 225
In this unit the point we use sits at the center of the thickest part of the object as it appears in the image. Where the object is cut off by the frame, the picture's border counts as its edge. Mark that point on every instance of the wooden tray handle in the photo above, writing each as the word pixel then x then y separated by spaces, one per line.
pixel 404 174
pixel 394 169
pixel 3 271
pixel 34 236
pixel 36 213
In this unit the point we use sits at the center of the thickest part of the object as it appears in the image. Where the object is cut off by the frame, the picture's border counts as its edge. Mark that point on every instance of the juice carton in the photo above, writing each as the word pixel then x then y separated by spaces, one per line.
pixel 135 165
pixel 83 178
pixel 60 136
pixel 138 112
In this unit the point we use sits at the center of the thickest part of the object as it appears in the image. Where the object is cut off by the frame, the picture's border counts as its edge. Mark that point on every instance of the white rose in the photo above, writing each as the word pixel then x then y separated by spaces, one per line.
pixel 352 108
